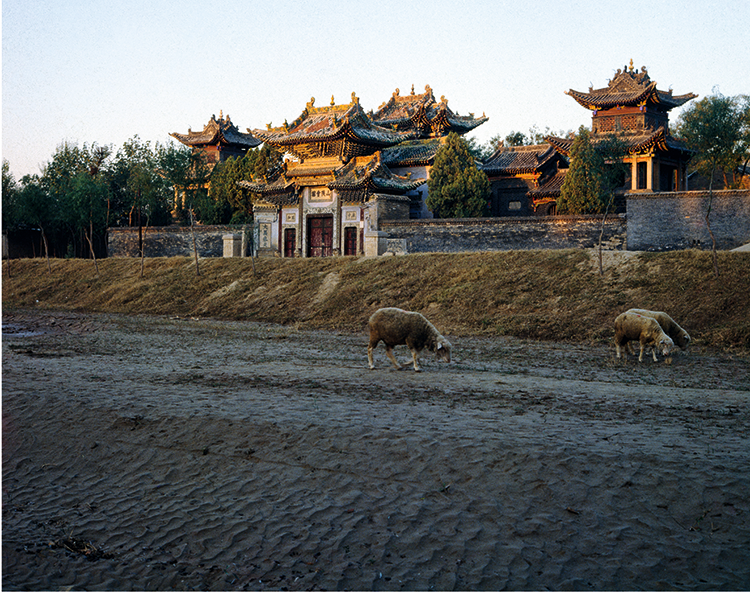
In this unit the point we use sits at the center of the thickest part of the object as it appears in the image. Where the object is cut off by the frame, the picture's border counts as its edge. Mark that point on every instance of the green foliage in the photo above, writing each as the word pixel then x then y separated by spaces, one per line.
pixel 516 139
pixel 457 189
pixel 10 199
pixel 717 128
pixel 536 136
pixel 594 173
pixel 582 190
pixel 186 173
pixel 145 190
pixel 231 203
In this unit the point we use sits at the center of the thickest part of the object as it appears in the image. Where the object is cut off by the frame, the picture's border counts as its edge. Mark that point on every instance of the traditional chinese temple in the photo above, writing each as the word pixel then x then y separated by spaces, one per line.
pixel 220 140
pixel 632 107
pixel 346 169
pixel 526 180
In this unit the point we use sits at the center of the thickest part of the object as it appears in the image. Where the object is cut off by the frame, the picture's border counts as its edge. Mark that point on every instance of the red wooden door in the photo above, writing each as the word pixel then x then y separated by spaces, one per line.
pixel 320 236
pixel 350 240
pixel 290 242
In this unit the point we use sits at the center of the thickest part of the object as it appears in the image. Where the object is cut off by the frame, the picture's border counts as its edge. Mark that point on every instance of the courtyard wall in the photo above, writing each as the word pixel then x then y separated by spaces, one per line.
pixel 502 234
pixel 677 220
pixel 170 241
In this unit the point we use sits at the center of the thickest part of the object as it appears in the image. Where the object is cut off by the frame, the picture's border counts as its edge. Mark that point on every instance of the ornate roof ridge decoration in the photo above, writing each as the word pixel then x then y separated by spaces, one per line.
pixel 334 130
pixel 629 88
pixel 519 159
pixel 424 114
pixel 218 131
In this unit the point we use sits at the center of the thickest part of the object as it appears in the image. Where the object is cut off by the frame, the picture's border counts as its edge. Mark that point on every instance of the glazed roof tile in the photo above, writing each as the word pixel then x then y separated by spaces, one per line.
pixel 412 153
pixel 629 88
pixel 423 113
pixel 519 159
pixel 360 177
pixel 551 188
pixel 648 139
pixel 218 131
pixel 348 125
pixel 371 174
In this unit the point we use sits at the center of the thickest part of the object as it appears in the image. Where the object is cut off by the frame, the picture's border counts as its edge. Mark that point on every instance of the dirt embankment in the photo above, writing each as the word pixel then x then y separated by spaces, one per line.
pixel 547 295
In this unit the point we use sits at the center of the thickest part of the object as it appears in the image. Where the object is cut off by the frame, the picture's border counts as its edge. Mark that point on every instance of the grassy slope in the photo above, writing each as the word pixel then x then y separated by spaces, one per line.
pixel 539 294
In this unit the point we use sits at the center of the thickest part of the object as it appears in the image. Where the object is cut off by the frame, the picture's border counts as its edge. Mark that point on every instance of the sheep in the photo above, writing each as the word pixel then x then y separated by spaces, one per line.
pixel 630 326
pixel 668 325
pixel 394 326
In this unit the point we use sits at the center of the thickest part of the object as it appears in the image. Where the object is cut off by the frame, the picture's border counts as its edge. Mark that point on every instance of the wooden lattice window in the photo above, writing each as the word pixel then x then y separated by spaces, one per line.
pixel 631 122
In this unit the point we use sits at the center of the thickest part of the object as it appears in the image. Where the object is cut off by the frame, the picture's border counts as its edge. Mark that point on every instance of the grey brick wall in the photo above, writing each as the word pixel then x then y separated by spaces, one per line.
pixel 668 221
pixel 501 234
pixel 169 241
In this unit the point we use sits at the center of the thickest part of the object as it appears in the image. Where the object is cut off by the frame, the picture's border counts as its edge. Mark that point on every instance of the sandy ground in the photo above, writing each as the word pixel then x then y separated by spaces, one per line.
pixel 155 453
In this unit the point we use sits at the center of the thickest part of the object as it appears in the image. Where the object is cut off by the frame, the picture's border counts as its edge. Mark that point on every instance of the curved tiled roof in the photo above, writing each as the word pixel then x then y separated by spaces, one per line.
pixel 637 142
pixel 218 131
pixel 372 175
pixel 629 88
pixel 280 192
pixel 424 114
pixel 356 181
pixel 342 130
pixel 519 159
pixel 551 187
pixel 412 153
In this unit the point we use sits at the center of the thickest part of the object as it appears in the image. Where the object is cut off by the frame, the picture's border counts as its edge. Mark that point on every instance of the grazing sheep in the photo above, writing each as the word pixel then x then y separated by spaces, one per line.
pixel 630 326
pixel 394 326
pixel 668 325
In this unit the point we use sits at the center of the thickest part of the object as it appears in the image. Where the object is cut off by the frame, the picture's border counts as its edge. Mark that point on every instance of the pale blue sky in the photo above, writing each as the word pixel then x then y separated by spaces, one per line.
pixel 97 71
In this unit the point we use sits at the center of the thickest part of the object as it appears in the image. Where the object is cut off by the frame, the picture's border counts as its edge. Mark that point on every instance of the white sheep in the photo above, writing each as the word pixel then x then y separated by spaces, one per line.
pixel 394 326
pixel 668 325
pixel 630 326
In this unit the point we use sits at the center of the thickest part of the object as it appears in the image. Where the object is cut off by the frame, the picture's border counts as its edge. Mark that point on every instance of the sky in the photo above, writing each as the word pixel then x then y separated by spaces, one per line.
pixel 104 72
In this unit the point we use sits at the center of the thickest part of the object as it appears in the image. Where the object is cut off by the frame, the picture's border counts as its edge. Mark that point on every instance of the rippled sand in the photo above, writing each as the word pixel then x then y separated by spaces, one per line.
pixel 143 453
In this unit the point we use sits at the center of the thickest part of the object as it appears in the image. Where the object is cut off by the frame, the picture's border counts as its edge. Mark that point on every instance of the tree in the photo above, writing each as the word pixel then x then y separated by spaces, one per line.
pixel 10 199
pixel 88 209
pixel 595 172
pixel 456 187
pixel 516 139
pixel 186 172
pixel 717 129
pixel 10 205
pixel 582 191
pixel 37 210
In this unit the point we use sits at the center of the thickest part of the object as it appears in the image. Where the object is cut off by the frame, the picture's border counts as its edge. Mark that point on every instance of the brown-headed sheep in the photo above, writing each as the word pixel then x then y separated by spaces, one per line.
pixel 630 326
pixel 394 326
pixel 669 326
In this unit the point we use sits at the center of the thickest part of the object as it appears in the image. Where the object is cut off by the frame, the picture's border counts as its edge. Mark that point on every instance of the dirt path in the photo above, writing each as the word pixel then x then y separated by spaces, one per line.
pixel 154 453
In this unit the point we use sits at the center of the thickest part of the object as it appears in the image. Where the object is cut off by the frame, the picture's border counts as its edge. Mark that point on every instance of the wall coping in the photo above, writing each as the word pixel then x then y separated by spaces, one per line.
pixel 611 218
pixel 177 228
pixel 703 193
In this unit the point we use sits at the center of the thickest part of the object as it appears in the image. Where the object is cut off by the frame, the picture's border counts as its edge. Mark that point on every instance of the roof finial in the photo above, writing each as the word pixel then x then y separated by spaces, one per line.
pixel 631 64
pixel 412 89
pixel 332 101
pixel 221 114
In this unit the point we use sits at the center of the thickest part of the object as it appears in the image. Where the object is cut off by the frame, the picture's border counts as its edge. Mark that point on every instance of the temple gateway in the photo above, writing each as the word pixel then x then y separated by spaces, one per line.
pixel 346 169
